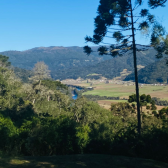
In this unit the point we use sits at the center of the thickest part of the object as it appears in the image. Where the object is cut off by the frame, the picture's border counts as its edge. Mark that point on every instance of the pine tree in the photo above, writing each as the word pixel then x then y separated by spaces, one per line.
pixel 117 19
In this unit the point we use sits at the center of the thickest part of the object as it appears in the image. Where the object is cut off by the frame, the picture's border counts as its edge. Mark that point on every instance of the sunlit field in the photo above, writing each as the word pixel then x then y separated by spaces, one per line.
pixel 123 91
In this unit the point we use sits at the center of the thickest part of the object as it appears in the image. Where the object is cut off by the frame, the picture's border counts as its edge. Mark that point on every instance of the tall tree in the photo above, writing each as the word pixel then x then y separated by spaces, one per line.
pixel 4 61
pixel 116 19
pixel 41 71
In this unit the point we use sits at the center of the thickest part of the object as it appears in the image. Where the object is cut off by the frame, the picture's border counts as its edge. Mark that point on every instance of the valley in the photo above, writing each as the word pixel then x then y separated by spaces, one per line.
pixel 121 89
pixel 81 87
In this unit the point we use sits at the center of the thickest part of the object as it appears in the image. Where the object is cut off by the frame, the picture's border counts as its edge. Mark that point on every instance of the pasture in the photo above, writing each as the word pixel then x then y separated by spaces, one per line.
pixel 123 91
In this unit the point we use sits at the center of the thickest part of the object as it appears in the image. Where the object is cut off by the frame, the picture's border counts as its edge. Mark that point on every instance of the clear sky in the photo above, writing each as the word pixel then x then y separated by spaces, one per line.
pixel 26 24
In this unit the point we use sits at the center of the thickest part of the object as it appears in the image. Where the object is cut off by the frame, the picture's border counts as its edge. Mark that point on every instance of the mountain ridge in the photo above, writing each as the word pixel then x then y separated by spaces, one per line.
pixel 53 56
pixel 72 62
pixel 156 72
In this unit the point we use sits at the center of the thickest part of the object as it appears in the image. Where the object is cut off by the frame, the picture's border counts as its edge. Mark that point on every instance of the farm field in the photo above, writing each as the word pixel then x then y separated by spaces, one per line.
pixel 80 161
pixel 123 91
pixel 107 104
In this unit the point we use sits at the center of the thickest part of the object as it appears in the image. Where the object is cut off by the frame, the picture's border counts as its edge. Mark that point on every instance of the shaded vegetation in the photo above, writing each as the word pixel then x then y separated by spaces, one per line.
pixel 155 73
pixel 23 74
pixel 109 69
pixel 40 119
pixel 78 161
pixel 71 62
pixel 97 97
pixel 55 57
pixel 160 102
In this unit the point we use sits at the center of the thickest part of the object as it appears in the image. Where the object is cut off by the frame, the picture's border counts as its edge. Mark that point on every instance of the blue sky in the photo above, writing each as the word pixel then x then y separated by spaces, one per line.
pixel 26 24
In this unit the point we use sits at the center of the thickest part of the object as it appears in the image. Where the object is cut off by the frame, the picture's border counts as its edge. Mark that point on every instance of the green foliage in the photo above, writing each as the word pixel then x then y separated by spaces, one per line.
pixel 153 107
pixel 109 68
pixel 7 131
pixel 53 136
pixel 23 74
pixel 97 97
pixel 50 84
pixel 148 99
pixel 160 102
pixel 57 59
pixel 153 73
pixel 144 100
pixel 163 113
pixel 83 136
pixel 44 121
pixel 124 111
pixel 132 98
pixel 147 107
pixel 154 113
pixel 4 61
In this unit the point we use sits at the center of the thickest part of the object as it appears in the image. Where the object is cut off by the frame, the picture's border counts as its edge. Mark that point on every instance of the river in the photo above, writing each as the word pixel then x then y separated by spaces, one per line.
pixel 74 95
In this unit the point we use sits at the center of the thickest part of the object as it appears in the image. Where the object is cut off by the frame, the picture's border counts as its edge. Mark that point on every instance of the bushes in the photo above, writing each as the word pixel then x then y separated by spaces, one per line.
pixel 7 134
pixel 45 136
pixel 51 136
pixel 106 134
pixel 53 124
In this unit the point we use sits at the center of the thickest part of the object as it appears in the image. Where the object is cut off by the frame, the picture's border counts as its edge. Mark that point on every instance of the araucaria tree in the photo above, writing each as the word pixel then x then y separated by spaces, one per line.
pixel 118 19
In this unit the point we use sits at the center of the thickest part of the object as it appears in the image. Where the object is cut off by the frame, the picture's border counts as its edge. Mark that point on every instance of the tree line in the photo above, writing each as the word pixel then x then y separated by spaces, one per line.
pixel 40 119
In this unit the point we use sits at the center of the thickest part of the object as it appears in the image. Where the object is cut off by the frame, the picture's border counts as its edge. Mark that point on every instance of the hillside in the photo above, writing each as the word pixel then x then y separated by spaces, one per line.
pixel 23 74
pixel 153 73
pixel 57 58
pixel 72 62
pixel 109 68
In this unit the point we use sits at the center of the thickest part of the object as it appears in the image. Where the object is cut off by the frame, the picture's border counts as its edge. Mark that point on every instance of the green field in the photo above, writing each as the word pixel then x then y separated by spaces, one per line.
pixel 116 101
pixel 114 90
pixel 80 161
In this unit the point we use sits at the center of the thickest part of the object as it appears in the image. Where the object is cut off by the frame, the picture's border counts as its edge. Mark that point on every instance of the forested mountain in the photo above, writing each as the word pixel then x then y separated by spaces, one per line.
pixel 41 119
pixel 23 74
pixel 109 68
pixel 153 73
pixel 71 62
pixel 57 58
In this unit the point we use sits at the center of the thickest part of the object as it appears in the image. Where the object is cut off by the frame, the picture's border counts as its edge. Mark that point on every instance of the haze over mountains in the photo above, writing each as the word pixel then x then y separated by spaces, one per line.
pixel 72 62
pixel 57 58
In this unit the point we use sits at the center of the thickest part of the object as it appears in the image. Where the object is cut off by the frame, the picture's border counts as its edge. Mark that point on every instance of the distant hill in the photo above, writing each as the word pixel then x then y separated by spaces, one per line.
pixel 156 72
pixel 23 74
pixel 109 68
pixel 57 58
pixel 72 62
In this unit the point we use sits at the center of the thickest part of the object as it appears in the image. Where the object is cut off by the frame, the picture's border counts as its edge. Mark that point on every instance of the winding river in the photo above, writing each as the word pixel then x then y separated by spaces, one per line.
pixel 74 95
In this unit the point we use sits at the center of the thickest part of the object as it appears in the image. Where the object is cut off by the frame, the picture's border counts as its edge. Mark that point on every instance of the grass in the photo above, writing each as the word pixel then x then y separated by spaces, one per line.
pixel 115 90
pixel 107 103
pixel 93 74
pixel 117 101
pixel 80 161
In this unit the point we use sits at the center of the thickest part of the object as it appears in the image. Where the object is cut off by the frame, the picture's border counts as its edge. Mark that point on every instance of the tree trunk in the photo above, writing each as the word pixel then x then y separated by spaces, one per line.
pixel 39 83
pixel 136 72
pixel 34 101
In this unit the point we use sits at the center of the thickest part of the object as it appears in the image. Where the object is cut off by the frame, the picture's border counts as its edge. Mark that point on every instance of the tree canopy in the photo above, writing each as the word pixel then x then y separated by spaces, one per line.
pixel 115 19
